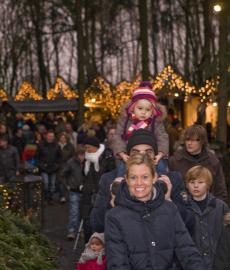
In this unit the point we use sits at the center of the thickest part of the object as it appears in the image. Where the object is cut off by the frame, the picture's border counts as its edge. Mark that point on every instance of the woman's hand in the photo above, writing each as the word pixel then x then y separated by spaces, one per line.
pixel 124 156
pixel 118 179
pixel 158 157
pixel 169 186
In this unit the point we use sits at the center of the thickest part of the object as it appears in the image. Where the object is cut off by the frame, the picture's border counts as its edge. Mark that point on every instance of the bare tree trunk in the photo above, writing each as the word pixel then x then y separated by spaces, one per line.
pixel 223 64
pixel 144 39
pixel 80 54
pixel 187 51
pixel 36 18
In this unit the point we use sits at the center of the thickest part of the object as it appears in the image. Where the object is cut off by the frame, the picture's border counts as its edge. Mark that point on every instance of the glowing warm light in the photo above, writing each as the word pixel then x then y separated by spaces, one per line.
pixel 93 99
pixel 217 8
pixel 228 103
pixel 214 104
pixel 27 92
pixel 61 90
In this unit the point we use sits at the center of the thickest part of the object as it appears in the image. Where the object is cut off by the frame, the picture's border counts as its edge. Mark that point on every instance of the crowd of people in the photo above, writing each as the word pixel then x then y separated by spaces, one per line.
pixel 148 197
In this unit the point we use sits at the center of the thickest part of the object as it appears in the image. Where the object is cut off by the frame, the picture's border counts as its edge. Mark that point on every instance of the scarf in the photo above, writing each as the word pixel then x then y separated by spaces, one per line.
pixel 137 124
pixel 88 255
pixel 62 145
pixel 94 158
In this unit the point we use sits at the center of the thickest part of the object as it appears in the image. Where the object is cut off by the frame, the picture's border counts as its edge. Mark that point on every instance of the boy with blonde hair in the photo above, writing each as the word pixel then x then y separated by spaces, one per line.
pixel 209 212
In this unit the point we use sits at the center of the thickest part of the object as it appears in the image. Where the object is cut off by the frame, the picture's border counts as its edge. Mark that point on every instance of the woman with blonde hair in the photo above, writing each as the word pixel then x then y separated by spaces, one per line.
pixel 145 228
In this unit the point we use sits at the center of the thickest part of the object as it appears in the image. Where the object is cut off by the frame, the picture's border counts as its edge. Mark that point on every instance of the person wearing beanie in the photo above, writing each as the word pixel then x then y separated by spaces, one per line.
pixel 93 256
pixel 142 141
pixel 98 160
pixel 142 112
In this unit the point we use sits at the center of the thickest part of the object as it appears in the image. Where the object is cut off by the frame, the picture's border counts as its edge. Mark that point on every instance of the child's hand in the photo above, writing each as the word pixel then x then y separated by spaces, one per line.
pixel 124 156
pixel 158 157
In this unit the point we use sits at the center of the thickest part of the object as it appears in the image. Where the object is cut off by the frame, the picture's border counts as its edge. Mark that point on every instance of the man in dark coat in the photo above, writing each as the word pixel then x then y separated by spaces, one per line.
pixel 9 159
pixel 195 153
pixel 98 160
pixel 141 141
pixel 48 159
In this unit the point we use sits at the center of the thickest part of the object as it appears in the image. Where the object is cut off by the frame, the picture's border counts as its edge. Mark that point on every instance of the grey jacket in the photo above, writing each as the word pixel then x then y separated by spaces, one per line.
pixel 159 131
pixel 9 160
pixel 208 227
pixel 72 174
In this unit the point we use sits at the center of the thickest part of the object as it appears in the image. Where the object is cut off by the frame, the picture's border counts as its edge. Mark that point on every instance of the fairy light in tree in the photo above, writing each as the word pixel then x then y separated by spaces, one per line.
pixel 61 90
pixel 27 92
pixel 3 95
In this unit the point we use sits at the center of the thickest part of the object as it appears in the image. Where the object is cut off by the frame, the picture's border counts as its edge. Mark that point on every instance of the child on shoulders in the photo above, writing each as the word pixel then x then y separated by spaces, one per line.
pixel 143 112
pixel 94 255
pixel 209 212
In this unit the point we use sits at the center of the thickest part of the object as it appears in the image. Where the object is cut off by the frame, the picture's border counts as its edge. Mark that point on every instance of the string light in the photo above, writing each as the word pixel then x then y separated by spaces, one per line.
pixel 61 90
pixel 27 92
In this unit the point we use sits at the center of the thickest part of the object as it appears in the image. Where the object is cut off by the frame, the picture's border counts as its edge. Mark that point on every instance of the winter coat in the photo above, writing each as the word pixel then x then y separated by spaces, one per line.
pixel 67 153
pixel 222 256
pixel 48 157
pixel 178 196
pixel 159 131
pixel 174 136
pixel 9 160
pixel 144 235
pixel 182 161
pixel 72 174
pixel 208 226
pixel 19 142
pixel 92 264
pixel 91 181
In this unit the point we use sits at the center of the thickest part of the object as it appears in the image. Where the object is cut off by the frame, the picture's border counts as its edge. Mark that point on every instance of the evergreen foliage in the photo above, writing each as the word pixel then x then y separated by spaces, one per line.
pixel 22 246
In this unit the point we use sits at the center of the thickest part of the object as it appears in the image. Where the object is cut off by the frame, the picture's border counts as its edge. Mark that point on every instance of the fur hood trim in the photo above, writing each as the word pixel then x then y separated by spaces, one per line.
pixel 226 219
pixel 161 108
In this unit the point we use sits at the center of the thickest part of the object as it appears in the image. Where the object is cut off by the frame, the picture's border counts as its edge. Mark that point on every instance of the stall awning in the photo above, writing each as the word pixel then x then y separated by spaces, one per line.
pixel 40 106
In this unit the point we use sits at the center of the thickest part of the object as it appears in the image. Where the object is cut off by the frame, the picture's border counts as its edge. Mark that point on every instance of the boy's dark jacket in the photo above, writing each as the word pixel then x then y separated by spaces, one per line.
pixel 208 226
pixel 72 174
pixel 144 235
pixel 222 257
pixel 178 196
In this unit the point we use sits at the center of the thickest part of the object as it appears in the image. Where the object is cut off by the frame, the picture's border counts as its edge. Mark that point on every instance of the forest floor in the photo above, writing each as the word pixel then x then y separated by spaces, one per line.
pixel 55 228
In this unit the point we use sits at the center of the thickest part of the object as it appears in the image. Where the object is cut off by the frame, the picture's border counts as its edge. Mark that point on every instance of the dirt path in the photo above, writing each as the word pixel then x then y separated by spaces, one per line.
pixel 55 228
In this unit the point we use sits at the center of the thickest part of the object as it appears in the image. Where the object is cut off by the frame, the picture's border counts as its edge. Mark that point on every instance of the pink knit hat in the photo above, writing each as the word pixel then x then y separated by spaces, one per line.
pixel 143 91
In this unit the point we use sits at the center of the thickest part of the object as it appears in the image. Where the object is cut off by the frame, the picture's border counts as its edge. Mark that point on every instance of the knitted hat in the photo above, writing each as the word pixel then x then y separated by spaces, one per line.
pixel 99 236
pixel 142 136
pixel 94 141
pixel 143 91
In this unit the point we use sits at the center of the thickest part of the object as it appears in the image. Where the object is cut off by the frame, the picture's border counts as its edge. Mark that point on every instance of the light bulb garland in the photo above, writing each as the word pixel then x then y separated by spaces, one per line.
pixel 27 92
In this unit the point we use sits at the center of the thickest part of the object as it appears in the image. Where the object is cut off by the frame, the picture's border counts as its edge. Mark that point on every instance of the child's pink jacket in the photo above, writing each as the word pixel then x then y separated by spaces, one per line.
pixel 92 264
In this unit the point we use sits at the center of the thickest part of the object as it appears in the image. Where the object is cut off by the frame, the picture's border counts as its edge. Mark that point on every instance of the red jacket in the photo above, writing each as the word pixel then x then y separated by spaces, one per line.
pixel 92 264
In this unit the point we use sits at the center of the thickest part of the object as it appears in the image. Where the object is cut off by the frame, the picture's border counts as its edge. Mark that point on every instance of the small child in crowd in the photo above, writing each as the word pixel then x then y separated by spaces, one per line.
pixel 143 112
pixel 94 255
pixel 209 212
pixel 71 178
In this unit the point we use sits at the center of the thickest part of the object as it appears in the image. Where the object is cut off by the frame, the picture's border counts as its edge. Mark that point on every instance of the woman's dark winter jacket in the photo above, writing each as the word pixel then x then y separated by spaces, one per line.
pixel 144 235
pixel 91 181
pixel 182 161
pixel 48 157
pixel 67 153
pixel 222 257
pixel 208 226
pixel 178 196
pixel 72 174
